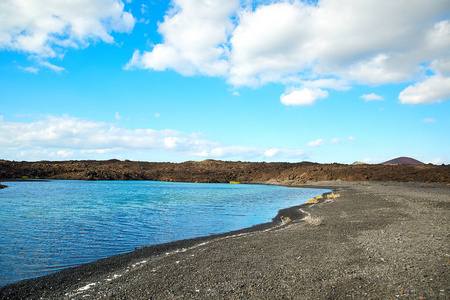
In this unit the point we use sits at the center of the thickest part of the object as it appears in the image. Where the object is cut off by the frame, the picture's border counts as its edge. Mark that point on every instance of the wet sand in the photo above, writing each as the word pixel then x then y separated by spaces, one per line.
pixel 377 241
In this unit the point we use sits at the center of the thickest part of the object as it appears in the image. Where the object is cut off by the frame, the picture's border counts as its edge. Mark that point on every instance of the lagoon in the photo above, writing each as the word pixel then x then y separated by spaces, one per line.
pixel 47 226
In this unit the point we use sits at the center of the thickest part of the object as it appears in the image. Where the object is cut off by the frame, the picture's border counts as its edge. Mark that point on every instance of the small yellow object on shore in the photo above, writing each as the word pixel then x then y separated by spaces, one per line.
pixel 234 182
pixel 332 195
pixel 310 201
pixel 285 220
pixel 319 197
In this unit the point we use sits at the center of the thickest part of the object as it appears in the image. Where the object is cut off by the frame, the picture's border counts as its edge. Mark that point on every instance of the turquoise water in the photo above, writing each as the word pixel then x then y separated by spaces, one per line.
pixel 46 226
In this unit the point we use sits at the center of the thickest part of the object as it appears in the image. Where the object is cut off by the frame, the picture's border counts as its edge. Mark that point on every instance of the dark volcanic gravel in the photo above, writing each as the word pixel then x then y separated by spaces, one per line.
pixel 377 241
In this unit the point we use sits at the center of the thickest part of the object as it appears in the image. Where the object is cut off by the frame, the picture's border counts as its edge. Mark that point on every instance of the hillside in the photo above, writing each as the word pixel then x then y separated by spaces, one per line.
pixel 403 161
pixel 222 171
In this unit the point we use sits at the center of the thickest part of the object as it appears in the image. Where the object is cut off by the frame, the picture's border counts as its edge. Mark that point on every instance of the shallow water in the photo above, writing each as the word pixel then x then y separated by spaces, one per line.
pixel 46 226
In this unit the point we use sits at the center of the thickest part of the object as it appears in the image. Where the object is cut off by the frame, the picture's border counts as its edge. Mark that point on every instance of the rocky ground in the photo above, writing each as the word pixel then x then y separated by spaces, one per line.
pixel 222 171
pixel 380 240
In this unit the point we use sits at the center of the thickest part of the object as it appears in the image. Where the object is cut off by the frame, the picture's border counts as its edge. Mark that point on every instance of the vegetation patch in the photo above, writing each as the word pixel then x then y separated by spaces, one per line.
pixel 333 195
pixel 285 220
pixel 311 201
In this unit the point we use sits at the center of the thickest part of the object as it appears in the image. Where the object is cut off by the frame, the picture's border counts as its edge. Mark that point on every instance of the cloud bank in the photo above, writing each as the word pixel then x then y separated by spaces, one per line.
pixel 67 137
pixel 300 43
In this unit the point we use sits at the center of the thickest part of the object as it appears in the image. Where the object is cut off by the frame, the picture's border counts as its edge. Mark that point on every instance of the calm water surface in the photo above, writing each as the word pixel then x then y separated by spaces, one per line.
pixel 48 226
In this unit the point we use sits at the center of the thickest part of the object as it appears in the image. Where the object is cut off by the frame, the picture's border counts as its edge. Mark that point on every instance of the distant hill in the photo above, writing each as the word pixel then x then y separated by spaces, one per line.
pixel 403 161
pixel 221 171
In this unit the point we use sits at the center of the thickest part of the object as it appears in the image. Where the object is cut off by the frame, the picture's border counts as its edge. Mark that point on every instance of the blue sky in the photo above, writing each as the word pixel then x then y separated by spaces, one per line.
pixel 326 81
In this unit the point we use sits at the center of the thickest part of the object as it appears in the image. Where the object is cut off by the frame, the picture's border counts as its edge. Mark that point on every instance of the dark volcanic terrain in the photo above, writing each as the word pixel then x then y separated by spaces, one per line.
pixel 222 171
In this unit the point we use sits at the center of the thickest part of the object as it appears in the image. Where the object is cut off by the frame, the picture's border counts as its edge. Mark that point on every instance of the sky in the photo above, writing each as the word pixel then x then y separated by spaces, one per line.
pixel 264 80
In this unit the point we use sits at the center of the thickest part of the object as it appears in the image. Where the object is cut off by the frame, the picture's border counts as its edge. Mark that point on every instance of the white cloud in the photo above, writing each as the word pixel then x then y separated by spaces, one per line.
pixel 97 151
pixel 284 153
pixel 46 28
pixel 303 96
pixel 334 141
pixel 316 143
pixel 369 160
pixel 231 151
pixel 321 142
pixel 351 138
pixel 52 67
pixel 157 115
pixel 30 69
pixel 441 66
pixel 323 45
pixel 327 83
pixel 434 89
pixel 428 120
pixel 64 153
pixel 195 35
pixel 117 116
pixel 438 161
pixel 143 8
pixel 67 136
pixel 371 97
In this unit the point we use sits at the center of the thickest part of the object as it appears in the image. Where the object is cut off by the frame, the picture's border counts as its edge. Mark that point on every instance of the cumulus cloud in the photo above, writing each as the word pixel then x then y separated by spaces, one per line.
pixel 47 28
pixel 302 97
pixel 70 137
pixel 371 97
pixel 351 138
pixel 434 89
pixel 317 46
pixel 195 35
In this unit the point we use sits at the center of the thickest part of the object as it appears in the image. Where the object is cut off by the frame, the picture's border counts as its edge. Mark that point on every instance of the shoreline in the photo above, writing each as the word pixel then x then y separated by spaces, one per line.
pixel 109 276
pixel 293 213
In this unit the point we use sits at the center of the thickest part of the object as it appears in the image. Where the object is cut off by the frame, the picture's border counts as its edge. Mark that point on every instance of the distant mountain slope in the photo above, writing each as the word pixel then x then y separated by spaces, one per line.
pixel 403 161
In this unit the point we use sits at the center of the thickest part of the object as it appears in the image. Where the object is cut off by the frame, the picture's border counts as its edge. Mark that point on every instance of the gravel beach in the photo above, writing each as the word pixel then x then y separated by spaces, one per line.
pixel 381 240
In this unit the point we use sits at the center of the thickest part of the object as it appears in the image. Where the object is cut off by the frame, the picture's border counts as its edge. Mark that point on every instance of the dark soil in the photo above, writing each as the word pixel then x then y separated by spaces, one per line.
pixel 222 171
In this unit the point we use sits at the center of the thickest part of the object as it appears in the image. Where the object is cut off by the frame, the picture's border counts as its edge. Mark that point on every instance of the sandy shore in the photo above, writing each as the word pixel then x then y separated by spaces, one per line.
pixel 377 241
